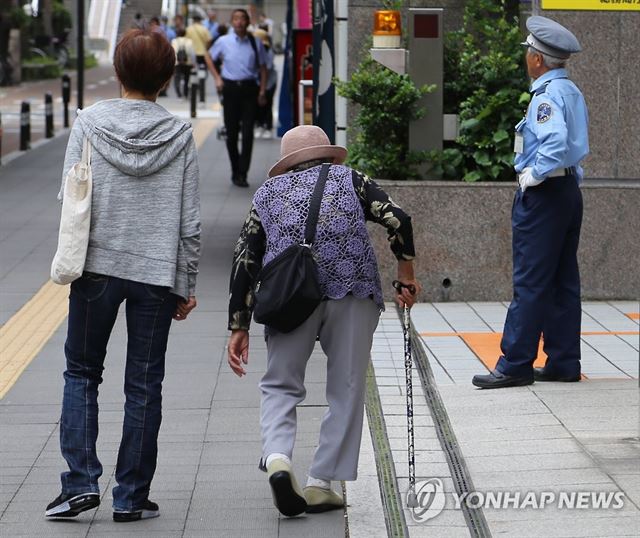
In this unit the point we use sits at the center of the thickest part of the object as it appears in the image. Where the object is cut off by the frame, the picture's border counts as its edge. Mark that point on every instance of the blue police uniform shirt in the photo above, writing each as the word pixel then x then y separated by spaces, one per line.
pixel 555 127
pixel 238 58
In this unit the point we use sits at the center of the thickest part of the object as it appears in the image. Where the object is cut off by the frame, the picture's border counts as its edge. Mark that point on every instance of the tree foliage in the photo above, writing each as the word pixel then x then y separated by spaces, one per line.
pixel 486 84
pixel 388 102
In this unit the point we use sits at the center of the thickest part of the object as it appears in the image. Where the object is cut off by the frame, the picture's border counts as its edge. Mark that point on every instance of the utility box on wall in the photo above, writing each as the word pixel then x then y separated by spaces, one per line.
pixel 425 41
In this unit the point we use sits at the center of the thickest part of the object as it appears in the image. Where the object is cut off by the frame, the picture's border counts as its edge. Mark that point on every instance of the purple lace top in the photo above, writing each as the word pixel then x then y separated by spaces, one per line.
pixel 346 260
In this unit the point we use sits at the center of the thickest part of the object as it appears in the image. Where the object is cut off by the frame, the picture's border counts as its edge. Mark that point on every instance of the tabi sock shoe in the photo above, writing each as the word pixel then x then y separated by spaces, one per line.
pixel 321 500
pixel 288 498
pixel 147 511
pixel 318 483
pixel 70 505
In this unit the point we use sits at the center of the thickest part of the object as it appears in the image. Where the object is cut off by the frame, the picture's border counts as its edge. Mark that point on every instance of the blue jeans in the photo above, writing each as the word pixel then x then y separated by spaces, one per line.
pixel 93 308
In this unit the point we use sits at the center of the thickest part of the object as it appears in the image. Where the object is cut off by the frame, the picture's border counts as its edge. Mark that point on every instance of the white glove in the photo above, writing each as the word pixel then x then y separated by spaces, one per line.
pixel 526 179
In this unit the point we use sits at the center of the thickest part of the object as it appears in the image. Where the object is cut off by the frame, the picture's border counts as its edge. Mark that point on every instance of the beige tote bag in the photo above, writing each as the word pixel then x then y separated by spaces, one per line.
pixel 75 221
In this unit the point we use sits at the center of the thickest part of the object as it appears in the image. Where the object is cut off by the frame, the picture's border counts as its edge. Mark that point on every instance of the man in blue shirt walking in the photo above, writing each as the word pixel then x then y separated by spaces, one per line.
pixel 550 142
pixel 242 84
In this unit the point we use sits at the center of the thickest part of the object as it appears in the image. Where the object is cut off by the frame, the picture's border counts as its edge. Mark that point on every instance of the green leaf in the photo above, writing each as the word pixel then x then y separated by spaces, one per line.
pixel 468 125
pixel 482 158
pixel 472 176
pixel 500 135
pixel 524 99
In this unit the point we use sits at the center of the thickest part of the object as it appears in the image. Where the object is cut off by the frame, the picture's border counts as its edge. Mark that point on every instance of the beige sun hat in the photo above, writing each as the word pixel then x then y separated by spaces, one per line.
pixel 306 143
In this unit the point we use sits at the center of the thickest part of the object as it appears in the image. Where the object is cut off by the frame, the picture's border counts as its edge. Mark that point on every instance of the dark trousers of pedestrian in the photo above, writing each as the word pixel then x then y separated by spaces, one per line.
pixel 264 117
pixel 93 308
pixel 201 65
pixel 546 223
pixel 240 108
pixel 181 79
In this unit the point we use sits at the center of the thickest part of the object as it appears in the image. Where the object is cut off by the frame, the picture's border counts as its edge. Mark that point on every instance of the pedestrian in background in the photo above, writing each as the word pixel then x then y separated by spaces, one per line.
pixel 144 247
pixel 178 23
pixel 264 116
pixel 550 143
pixel 138 21
pixel 185 61
pixel 201 39
pixel 212 23
pixel 169 32
pixel 243 84
pixel 344 322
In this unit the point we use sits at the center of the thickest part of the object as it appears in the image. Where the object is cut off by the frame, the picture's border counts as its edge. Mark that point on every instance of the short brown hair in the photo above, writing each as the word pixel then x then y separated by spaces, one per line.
pixel 144 61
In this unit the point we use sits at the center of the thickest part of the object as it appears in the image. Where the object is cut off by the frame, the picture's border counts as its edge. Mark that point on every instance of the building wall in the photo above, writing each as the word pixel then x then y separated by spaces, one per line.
pixel 462 232
pixel 606 71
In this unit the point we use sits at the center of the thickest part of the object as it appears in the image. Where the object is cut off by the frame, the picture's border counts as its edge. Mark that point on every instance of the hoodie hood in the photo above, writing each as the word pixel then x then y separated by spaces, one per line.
pixel 137 137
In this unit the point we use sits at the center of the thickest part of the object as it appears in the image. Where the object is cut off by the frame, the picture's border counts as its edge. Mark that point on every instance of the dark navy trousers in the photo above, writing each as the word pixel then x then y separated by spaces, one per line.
pixel 546 224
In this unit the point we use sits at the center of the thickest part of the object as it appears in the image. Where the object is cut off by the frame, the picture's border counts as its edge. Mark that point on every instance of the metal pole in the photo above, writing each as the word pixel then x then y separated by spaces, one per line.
pixel 0 138
pixel 66 97
pixel 194 92
pixel 48 115
pixel 25 126
pixel 80 60
pixel 202 75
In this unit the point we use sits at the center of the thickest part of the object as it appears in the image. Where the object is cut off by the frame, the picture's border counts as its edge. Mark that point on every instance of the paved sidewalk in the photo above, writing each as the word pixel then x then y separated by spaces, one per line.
pixel 554 438
pixel 558 438
pixel 207 482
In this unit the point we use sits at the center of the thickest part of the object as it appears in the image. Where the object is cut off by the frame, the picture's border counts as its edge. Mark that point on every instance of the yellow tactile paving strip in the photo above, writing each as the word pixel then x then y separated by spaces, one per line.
pixel 26 333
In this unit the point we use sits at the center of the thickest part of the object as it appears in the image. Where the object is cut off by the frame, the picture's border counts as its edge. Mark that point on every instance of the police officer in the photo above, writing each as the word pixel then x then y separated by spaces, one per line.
pixel 242 84
pixel 550 143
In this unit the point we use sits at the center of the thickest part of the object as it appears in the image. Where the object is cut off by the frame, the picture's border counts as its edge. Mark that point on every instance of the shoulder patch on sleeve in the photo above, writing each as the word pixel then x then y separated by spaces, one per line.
pixel 544 112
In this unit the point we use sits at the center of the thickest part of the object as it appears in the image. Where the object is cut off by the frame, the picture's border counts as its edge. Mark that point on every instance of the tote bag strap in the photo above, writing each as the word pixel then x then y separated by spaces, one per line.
pixel 86 152
pixel 314 206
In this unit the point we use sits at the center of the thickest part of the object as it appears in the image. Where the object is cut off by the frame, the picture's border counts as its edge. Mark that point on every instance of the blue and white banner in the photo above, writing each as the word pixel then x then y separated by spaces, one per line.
pixel 324 114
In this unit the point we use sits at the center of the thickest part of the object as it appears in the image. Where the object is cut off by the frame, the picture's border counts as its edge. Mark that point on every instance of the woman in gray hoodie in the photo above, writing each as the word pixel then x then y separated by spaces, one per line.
pixel 144 247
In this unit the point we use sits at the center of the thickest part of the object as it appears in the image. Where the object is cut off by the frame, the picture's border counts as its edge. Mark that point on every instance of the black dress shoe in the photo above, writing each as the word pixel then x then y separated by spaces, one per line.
pixel 497 380
pixel 540 375
pixel 242 181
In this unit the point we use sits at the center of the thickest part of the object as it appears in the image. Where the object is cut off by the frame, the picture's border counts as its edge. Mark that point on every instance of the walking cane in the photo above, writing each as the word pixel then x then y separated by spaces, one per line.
pixel 412 499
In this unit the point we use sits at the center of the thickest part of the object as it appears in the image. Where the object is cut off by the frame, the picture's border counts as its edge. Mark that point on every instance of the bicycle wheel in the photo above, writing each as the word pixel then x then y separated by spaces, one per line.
pixel 62 56
pixel 35 52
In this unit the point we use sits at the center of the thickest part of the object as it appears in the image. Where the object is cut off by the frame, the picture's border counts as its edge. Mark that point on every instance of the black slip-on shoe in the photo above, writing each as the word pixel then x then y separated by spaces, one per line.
pixel 540 375
pixel 288 498
pixel 242 181
pixel 149 509
pixel 71 505
pixel 497 380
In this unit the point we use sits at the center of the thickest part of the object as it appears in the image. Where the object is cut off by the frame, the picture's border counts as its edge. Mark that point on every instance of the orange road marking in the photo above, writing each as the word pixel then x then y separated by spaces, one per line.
pixel 634 315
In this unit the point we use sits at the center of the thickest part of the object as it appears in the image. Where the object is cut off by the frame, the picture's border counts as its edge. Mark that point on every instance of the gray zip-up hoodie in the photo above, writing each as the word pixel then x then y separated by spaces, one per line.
pixel 145 214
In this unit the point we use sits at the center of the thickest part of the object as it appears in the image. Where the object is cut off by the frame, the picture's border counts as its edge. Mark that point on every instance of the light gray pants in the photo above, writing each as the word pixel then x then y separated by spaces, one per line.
pixel 345 328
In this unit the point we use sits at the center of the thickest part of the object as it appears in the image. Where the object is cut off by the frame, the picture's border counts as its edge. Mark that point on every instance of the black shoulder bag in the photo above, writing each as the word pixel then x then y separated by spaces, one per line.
pixel 287 290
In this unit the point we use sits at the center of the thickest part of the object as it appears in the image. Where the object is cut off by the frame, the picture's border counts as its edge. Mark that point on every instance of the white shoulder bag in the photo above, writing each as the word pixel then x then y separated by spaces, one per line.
pixel 75 222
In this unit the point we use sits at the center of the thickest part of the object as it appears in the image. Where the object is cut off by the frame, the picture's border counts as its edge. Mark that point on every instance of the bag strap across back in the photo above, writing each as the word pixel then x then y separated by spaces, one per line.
pixel 86 152
pixel 314 206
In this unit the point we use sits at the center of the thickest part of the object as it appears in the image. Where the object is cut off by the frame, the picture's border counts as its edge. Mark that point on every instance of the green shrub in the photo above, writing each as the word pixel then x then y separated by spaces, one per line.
pixel 486 84
pixel 37 68
pixel 388 102
pixel 90 61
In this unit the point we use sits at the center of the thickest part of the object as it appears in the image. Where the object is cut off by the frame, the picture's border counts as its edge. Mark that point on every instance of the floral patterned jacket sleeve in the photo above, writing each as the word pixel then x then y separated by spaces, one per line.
pixel 247 262
pixel 379 207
